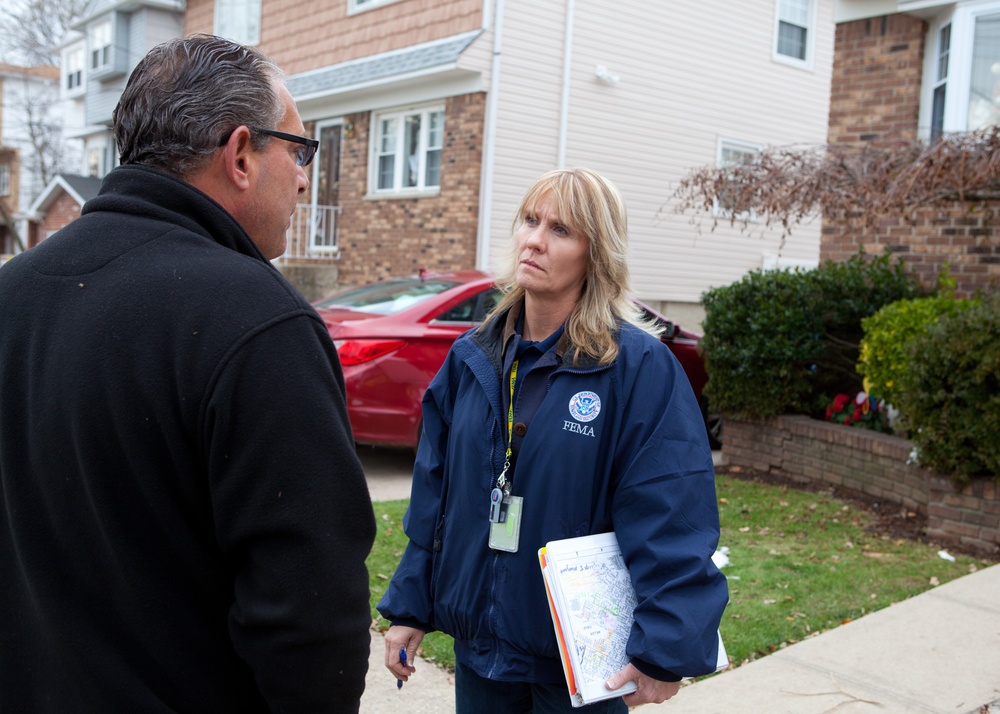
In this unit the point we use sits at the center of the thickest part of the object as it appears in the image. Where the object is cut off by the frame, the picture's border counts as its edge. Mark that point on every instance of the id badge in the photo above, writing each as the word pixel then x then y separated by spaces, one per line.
pixel 505 536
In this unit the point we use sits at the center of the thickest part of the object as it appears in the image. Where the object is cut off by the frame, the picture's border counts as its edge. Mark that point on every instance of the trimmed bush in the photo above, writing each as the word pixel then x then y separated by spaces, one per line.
pixel 887 334
pixel 786 341
pixel 951 391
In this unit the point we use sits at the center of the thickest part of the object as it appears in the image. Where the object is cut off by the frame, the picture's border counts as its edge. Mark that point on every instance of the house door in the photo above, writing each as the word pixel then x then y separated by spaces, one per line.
pixel 327 189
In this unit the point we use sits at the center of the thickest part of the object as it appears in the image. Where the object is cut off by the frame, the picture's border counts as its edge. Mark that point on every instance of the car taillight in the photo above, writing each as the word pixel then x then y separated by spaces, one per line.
pixel 361 351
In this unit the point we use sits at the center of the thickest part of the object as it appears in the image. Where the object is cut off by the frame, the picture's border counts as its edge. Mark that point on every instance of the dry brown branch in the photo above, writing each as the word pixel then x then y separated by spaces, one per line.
pixel 863 184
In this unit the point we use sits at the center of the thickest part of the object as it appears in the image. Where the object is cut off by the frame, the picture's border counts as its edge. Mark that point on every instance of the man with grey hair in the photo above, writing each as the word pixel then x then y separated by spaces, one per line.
pixel 184 520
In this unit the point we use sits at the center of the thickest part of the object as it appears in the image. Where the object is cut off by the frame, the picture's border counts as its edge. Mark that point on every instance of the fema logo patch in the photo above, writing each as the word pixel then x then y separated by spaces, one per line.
pixel 585 406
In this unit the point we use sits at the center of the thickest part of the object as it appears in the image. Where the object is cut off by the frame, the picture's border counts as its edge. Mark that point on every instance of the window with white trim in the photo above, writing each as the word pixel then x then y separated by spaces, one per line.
pixel 238 20
pixel 733 153
pixel 940 81
pixel 794 31
pixel 984 77
pixel 99 38
pixel 406 154
pixel 4 179
pixel 73 62
pixel 962 70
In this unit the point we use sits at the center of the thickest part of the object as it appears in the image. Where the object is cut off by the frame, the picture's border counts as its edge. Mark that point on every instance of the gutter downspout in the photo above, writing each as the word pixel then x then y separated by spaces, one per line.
pixel 489 141
pixel 567 67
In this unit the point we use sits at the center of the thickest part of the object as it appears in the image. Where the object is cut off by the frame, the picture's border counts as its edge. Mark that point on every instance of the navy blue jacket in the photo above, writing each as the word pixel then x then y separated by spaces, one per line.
pixel 598 448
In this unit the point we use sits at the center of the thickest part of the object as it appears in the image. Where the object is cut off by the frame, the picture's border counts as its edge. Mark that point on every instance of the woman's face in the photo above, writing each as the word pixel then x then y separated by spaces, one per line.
pixel 551 258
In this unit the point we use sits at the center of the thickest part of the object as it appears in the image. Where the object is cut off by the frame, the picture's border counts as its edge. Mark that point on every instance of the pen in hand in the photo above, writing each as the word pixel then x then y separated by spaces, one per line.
pixel 402 659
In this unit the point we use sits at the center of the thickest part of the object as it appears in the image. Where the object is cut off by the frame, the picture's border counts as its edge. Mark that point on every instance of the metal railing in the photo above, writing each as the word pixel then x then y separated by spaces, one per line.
pixel 313 233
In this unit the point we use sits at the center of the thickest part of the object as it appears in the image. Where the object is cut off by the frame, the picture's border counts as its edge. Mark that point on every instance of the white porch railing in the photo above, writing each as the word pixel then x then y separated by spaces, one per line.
pixel 312 233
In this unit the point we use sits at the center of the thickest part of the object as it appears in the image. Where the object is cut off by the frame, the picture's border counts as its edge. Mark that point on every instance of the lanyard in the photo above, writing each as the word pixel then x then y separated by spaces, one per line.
pixel 503 482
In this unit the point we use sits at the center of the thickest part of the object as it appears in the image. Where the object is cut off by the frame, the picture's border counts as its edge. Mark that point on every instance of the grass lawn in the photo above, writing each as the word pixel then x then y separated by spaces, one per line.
pixel 801 562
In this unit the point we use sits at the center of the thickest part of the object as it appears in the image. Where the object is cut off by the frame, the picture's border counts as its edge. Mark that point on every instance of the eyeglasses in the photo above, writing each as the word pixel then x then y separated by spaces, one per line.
pixel 303 155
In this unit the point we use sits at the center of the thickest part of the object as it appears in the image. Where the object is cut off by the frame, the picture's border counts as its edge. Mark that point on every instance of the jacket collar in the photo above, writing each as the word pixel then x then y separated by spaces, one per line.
pixel 150 193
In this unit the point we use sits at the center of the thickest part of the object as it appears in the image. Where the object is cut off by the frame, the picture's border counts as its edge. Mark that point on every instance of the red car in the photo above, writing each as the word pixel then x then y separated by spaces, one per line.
pixel 392 337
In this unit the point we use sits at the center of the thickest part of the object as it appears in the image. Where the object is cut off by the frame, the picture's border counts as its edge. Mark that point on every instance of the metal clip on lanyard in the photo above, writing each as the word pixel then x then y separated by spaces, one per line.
pixel 501 494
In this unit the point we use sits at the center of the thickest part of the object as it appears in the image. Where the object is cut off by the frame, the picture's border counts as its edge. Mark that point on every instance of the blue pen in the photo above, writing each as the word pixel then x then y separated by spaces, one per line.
pixel 402 658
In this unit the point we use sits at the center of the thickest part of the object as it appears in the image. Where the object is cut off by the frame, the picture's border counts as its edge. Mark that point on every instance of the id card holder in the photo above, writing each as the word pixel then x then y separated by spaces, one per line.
pixel 505 536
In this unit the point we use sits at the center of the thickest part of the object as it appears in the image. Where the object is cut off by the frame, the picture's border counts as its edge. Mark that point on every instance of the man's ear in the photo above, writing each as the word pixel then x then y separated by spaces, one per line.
pixel 238 156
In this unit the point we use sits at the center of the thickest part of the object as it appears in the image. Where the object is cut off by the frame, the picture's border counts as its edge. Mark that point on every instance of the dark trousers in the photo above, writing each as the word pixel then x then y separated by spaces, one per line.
pixel 478 695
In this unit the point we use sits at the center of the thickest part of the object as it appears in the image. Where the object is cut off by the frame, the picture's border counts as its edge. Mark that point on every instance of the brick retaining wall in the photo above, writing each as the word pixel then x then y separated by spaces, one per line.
pixel 811 451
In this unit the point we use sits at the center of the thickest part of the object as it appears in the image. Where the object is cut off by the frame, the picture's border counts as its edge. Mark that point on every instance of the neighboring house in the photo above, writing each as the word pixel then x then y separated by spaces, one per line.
pixel 105 44
pixel 98 54
pixel 434 116
pixel 58 204
pixel 915 69
pixel 30 128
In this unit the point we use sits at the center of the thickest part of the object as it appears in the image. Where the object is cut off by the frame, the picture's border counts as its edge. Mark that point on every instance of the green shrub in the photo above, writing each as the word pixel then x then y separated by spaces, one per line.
pixel 887 335
pixel 951 391
pixel 781 341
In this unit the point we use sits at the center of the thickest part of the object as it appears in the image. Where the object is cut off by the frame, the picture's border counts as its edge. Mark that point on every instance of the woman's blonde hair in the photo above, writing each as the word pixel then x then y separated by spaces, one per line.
pixel 589 204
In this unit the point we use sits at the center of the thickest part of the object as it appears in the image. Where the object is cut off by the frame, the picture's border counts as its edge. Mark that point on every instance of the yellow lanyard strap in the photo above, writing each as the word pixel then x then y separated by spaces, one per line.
pixel 502 482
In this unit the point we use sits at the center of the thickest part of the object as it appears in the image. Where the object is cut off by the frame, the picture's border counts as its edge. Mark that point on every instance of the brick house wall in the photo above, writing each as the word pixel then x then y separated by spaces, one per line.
pixel 11 158
pixel 386 237
pixel 877 74
pixel 811 451
pixel 63 211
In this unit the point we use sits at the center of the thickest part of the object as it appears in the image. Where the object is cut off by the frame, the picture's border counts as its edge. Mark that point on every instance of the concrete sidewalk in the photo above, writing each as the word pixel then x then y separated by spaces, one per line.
pixel 936 653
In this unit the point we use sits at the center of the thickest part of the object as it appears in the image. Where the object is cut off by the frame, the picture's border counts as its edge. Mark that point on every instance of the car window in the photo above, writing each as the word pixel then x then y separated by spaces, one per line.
pixel 387 297
pixel 474 309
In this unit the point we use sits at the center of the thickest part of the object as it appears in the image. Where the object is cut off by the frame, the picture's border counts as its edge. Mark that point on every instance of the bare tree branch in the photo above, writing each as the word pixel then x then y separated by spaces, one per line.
pixel 31 30
pixel 866 184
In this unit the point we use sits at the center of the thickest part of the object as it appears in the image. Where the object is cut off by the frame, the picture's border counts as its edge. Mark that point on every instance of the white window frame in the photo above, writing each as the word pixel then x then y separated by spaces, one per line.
pixel 238 20
pixel 102 52
pixel 743 147
pixel 356 6
pixel 810 28
pixel 74 70
pixel 4 179
pixel 962 18
pixel 382 146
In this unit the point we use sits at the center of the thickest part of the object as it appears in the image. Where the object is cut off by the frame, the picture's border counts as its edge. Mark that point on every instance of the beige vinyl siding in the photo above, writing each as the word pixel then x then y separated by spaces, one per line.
pixel 690 72
pixel 526 132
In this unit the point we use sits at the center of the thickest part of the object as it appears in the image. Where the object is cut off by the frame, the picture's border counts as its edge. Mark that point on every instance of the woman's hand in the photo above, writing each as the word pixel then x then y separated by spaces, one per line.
pixel 650 691
pixel 402 638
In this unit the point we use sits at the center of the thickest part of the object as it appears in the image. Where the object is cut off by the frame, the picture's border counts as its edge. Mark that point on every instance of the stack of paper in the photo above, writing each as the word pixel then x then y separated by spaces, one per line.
pixel 591 599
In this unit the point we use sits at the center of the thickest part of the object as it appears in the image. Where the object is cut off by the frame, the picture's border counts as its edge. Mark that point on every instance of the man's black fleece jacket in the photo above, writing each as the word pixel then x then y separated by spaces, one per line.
pixel 184 521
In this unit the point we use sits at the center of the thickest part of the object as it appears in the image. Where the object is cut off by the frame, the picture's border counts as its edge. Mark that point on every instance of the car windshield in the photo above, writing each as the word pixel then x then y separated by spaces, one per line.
pixel 388 297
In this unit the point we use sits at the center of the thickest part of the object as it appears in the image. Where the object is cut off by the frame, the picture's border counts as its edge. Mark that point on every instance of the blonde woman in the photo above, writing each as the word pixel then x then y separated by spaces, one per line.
pixel 564 408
